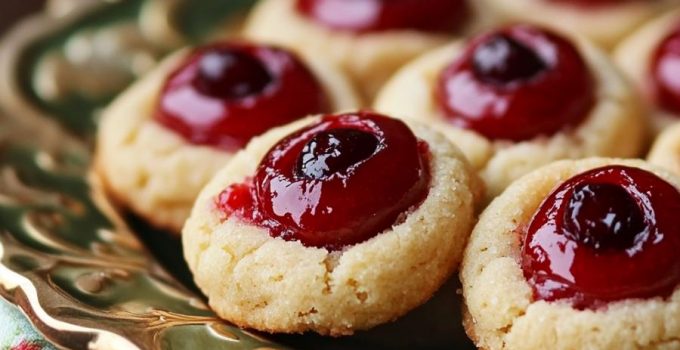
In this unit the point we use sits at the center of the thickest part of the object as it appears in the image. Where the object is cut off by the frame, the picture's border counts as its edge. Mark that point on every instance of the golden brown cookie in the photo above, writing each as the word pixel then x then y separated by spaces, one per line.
pixel 577 255
pixel 369 52
pixel 320 229
pixel 507 129
pixel 156 163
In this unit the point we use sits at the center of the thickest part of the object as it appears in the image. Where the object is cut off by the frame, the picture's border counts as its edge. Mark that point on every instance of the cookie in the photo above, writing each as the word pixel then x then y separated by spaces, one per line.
pixel 512 106
pixel 577 255
pixel 162 139
pixel 641 59
pixel 665 151
pixel 368 47
pixel 333 224
pixel 605 23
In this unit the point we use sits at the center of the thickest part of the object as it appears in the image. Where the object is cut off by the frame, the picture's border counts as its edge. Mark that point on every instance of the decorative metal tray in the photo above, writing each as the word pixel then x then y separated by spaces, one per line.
pixel 86 275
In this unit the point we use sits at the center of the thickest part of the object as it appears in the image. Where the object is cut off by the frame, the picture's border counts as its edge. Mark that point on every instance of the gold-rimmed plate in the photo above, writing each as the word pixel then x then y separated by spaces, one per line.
pixel 86 275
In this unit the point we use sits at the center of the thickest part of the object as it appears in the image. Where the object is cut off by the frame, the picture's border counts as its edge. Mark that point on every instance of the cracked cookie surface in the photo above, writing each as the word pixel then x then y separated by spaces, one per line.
pixel 274 285
pixel 411 94
pixel 501 312
pixel 156 172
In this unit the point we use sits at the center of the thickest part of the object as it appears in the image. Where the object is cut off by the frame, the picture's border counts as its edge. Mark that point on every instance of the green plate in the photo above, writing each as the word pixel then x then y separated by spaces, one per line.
pixel 85 274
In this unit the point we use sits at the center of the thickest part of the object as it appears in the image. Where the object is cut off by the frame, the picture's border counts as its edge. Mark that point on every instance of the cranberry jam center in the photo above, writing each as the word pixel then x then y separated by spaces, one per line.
pixel 336 183
pixel 382 15
pixel 225 94
pixel 666 72
pixel 605 235
pixel 516 84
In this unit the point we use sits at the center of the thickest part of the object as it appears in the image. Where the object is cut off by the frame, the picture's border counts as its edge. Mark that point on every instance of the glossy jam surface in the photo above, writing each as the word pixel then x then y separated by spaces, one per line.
pixel 336 183
pixel 333 151
pixel 605 235
pixel 517 83
pixel 502 60
pixel 383 15
pixel 225 94
pixel 666 72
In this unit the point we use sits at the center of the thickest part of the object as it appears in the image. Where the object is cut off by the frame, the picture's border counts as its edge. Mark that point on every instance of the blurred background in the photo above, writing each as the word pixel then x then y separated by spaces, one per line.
pixel 13 10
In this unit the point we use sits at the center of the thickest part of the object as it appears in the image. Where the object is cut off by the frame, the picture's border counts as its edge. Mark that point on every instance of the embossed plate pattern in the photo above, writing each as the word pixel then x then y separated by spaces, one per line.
pixel 86 275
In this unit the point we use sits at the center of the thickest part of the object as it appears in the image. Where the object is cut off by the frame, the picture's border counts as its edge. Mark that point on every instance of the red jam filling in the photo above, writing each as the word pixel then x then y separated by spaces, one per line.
pixel 383 15
pixel 517 83
pixel 336 183
pixel 608 234
pixel 225 94
pixel 666 72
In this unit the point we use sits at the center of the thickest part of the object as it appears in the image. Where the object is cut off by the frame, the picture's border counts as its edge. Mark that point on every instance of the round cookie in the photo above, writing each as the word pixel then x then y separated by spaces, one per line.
pixel 604 24
pixel 502 311
pixel 254 280
pixel 369 58
pixel 665 151
pixel 615 115
pixel 634 57
pixel 154 170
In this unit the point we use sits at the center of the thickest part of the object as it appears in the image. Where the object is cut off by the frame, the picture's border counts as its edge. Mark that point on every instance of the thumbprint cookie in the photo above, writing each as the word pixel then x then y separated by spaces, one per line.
pixel 369 39
pixel 519 97
pixel 332 224
pixel 161 141
pixel 605 22
pixel 649 57
pixel 577 255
